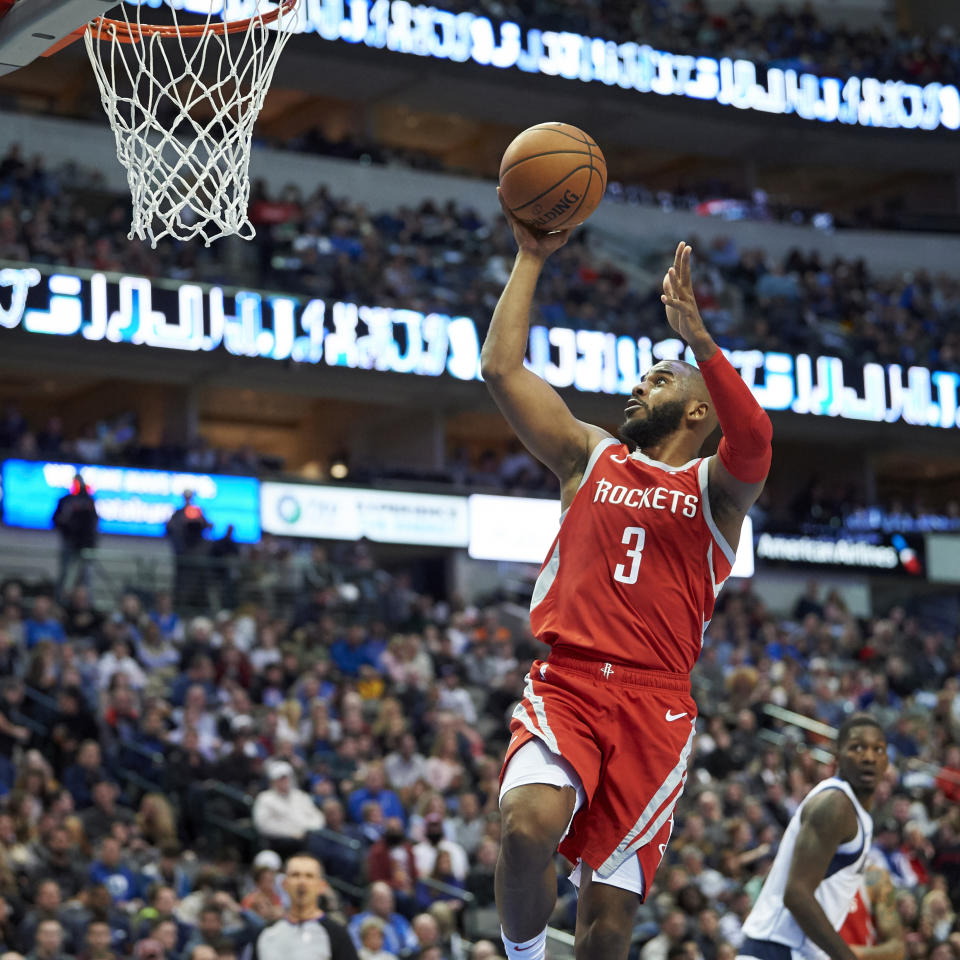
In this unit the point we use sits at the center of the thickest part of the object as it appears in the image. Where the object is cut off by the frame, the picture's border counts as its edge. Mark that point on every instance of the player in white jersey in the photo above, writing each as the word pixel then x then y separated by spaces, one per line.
pixel 822 856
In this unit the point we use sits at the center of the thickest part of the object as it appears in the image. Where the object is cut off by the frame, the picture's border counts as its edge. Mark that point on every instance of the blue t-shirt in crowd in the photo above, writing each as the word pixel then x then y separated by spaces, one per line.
pixel 350 659
pixel 398 935
pixel 37 631
pixel 118 880
pixel 389 803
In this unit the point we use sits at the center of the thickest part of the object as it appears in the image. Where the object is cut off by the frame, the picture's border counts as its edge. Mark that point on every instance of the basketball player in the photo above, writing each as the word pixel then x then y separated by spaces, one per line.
pixel 872 926
pixel 601 739
pixel 817 870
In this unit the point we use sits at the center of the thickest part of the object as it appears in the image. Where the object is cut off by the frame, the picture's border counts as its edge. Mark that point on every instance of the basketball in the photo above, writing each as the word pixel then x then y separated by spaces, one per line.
pixel 552 176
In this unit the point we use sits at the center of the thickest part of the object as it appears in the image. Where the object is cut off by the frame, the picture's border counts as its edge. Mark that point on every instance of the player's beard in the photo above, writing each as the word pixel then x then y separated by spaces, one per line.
pixel 661 421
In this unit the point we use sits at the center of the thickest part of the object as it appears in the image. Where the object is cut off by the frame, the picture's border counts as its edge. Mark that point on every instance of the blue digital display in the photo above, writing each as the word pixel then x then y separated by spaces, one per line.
pixel 129 501
pixel 338 334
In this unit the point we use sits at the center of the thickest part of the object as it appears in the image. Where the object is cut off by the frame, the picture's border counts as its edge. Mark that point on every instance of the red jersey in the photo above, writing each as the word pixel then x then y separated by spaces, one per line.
pixel 857 929
pixel 634 572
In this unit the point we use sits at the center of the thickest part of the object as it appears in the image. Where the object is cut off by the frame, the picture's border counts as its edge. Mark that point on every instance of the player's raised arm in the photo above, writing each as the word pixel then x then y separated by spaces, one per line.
pixel 538 415
pixel 828 821
pixel 739 470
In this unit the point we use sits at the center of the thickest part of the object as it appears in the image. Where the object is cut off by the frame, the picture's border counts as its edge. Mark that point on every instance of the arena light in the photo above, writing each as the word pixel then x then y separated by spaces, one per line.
pixel 250 324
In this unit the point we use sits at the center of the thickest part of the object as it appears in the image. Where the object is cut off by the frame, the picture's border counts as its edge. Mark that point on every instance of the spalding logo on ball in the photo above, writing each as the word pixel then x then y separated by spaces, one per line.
pixel 552 176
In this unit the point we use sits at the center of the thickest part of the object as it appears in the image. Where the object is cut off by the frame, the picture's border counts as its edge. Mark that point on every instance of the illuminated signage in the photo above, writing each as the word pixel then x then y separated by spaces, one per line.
pixel 250 324
pixel 130 501
pixel 522 529
pixel 343 513
pixel 428 31
pixel 894 554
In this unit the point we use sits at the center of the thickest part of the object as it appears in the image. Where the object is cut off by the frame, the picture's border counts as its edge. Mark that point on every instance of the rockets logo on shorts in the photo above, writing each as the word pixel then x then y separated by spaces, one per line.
pixel 634 572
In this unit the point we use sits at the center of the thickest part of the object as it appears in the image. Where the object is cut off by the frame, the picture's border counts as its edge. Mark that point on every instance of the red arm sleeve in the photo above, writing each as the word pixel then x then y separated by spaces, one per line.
pixel 747 432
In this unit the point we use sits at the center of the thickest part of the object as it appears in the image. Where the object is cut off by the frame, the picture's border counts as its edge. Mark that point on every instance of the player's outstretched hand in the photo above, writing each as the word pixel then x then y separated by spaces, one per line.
pixel 531 240
pixel 682 312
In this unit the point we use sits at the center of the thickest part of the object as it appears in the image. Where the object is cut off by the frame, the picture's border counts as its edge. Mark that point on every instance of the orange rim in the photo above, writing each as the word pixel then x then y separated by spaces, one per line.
pixel 133 33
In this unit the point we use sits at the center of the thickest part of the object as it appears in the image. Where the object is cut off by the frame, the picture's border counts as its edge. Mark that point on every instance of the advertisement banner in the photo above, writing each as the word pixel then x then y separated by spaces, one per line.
pixel 512 528
pixel 347 513
pixel 872 553
pixel 522 529
pixel 130 501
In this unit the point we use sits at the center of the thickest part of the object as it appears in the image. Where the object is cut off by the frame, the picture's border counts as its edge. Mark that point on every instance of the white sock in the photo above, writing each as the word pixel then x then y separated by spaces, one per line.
pixel 535 949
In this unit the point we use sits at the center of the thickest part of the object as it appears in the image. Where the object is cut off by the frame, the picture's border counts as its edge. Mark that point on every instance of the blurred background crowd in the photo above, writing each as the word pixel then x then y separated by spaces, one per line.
pixel 156 769
pixel 787 36
pixel 817 506
pixel 447 259
pixel 163 751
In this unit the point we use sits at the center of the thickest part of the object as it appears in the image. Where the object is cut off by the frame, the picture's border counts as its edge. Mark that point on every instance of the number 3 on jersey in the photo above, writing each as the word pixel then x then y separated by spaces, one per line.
pixel 634 552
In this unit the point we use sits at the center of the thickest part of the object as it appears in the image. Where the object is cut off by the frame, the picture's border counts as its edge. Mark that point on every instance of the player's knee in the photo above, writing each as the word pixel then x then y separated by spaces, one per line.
pixel 607 935
pixel 528 837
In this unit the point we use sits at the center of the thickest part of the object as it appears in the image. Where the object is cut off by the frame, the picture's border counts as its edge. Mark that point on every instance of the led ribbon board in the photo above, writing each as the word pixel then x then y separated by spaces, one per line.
pixel 250 324
pixel 429 31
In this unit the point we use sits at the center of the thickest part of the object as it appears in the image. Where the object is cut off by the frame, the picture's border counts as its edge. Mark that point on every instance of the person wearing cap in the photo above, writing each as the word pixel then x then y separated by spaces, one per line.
pixel 283 814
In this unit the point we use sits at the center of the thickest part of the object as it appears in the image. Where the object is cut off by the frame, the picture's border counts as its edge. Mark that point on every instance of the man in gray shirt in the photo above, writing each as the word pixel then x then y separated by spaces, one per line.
pixel 305 933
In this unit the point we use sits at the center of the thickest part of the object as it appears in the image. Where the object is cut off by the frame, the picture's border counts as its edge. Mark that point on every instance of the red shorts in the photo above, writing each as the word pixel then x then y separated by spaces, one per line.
pixel 629 735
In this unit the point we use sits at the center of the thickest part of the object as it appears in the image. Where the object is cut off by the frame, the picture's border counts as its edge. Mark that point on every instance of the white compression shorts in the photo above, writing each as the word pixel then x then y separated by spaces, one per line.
pixel 534 763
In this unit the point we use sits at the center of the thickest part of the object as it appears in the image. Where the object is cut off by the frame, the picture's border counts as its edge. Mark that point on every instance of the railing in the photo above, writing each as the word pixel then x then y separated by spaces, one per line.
pixel 200 584
pixel 799 720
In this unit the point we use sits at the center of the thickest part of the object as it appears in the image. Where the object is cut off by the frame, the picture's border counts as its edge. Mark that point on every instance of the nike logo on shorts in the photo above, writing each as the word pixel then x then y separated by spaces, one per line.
pixel 674 716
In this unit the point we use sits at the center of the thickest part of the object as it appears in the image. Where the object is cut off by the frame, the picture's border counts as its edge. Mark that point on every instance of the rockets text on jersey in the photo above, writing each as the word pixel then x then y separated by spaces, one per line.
pixel 635 569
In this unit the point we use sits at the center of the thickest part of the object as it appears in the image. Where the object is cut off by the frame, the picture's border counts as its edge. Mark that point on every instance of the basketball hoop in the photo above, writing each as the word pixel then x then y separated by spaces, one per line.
pixel 182 100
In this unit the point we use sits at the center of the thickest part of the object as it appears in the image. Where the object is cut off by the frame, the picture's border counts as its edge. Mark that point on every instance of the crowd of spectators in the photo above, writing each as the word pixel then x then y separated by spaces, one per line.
pixel 117 440
pixel 449 259
pixel 790 37
pixel 156 769
pixel 818 507
pixel 822 508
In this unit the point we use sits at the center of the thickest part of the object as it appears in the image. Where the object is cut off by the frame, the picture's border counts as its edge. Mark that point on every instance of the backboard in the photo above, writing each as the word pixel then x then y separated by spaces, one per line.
pixel 31 28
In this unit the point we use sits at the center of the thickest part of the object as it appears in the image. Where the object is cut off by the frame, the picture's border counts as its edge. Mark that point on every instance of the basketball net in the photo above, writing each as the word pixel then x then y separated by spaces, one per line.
pixel 182 100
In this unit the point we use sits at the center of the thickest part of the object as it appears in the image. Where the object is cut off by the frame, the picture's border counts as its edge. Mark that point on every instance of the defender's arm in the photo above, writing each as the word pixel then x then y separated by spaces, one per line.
pixel 827 821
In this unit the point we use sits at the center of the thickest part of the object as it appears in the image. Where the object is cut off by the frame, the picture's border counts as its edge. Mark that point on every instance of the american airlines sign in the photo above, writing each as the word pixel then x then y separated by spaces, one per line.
pixel 247 323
